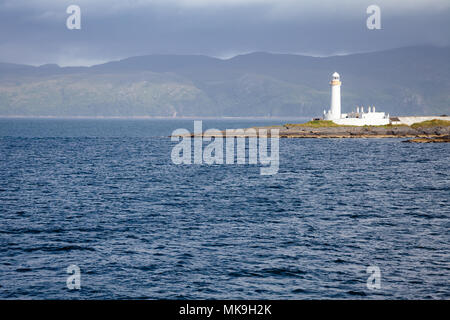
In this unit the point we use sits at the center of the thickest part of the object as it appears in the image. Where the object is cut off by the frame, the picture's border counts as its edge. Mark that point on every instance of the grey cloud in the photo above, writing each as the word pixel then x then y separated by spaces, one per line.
pixel 34 31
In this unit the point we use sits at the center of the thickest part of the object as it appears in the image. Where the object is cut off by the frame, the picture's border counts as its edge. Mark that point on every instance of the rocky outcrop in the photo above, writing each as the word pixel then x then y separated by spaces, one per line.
pixel 430 140
pixel 294 131
pixel 363 132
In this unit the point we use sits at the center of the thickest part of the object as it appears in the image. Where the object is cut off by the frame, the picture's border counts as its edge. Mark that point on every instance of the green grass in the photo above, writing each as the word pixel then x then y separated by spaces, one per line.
pixel 389 125
pixel 431 123
pixel 329 123
pixel 315 124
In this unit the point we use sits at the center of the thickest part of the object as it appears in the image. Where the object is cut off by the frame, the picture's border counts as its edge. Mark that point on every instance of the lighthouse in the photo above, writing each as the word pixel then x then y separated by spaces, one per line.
pixel 336 96
pixel 358 118
pixel 335 108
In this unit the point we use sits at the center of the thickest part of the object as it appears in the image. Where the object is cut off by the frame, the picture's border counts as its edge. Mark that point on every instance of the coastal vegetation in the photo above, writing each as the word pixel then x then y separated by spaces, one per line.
pixel 390 125
pixel 424 132
pixel 315 124
pixel 329 124
pixel 431 123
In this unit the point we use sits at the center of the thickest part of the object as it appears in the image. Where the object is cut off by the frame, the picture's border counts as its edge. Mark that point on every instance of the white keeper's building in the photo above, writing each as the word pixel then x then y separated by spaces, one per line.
pixel 357 118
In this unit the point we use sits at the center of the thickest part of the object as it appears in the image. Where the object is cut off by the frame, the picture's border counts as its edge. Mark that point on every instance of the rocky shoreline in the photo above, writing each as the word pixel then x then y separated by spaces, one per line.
pixel 364 132
pixel 425 134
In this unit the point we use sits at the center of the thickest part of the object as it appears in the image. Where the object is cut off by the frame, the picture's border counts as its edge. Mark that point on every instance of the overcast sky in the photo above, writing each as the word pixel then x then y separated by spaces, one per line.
pixel 34 31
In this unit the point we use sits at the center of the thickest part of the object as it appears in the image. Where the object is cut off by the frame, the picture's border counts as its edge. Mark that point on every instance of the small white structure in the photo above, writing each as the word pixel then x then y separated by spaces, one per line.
pixel 357 118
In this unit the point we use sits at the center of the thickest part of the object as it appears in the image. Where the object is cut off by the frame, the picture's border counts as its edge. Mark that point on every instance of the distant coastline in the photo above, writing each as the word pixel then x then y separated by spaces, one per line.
pixel 254 84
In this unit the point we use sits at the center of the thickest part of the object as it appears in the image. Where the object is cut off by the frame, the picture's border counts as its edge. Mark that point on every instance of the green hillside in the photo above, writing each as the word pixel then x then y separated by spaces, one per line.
pixel 402 81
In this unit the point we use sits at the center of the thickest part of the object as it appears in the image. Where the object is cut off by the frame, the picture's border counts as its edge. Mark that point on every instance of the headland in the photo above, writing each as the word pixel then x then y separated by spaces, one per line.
pixel 426 131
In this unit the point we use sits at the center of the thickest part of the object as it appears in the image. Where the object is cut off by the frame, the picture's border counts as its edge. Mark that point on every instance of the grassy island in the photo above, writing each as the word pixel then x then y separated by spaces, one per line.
pixel 426 131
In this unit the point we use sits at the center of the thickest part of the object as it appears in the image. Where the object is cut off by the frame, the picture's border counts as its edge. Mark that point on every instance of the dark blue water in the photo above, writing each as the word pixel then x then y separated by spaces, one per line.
pixel 104 195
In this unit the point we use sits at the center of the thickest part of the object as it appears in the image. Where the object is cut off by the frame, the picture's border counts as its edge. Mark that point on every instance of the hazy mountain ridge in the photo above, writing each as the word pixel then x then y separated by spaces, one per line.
pixel 403 81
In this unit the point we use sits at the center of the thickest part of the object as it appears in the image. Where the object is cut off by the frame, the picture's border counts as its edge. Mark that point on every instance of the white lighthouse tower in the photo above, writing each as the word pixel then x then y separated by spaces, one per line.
pixel 335 111
pixel 358 118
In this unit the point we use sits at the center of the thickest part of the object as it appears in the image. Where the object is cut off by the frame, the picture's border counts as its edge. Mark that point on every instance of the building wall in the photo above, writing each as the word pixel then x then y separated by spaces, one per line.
pixel 362 121
pixel 411 120
pixel 374 115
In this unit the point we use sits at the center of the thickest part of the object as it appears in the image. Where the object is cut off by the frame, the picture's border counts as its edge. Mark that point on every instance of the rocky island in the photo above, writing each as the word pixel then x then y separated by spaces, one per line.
pixel 426 131
pixel 422 132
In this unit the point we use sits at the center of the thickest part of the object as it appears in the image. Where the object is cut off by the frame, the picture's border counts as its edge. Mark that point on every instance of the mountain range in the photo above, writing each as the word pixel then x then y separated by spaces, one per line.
pixel 404 81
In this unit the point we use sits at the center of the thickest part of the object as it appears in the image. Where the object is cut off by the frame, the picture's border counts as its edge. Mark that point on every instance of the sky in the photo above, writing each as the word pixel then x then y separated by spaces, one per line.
pixel 34 31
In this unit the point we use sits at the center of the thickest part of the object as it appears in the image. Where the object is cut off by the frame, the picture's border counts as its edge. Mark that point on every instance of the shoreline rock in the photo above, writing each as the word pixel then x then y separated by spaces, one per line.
pixel 440 134
pixel 430 140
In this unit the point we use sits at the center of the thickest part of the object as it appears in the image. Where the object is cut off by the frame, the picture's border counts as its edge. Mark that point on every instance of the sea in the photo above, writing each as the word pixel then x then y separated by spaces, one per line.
pixel 341 219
